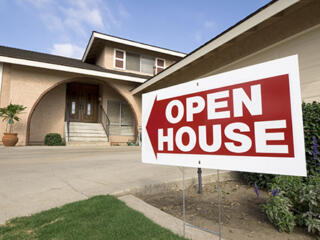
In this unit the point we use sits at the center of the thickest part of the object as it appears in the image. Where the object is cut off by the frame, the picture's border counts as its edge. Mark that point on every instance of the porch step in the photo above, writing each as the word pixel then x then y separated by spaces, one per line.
pixel 86 134
pixel 74 143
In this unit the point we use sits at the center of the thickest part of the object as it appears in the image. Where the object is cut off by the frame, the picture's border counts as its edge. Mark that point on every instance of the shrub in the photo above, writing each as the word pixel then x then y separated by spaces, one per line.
pixel 311 123
pixel 53 139
pixel 310 199
pixel 290 187
pixel 295 199
pixel 297 196
pixel 278 210
pixel 262 180
pixel 132 144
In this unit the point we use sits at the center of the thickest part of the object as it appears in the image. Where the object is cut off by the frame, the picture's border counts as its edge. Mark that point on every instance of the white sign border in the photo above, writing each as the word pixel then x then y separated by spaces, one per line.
pixel 295 166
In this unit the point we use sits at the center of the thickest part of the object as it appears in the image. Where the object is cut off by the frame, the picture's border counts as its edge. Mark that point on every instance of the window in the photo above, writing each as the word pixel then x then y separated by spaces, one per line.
pixel 133 62
pixel 147 64
pixel 159 65
pixel 122 122
pixel 138 63
pixel 113 111
pixel 119 113
pixel 119 58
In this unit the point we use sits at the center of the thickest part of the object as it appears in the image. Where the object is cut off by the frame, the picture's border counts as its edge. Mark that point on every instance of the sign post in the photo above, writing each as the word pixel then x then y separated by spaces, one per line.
pixel 249 119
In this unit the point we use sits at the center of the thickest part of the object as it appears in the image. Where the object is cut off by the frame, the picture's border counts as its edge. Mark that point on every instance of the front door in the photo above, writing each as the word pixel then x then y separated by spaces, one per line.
pixel 82 102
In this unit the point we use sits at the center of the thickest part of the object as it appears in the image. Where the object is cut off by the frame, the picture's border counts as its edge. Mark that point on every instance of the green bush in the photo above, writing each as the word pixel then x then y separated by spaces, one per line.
pixel 311 123
pixel 53 139
pixel 295 199
pixel 290 187
pixel 301 196
pixel 310 200
pixel 278 210
pixel 262 180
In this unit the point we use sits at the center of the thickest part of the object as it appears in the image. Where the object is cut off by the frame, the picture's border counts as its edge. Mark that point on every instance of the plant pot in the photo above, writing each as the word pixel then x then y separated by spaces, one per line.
pixel 10 139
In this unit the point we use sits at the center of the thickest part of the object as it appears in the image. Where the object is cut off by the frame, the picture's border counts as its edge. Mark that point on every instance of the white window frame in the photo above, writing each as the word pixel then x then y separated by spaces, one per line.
pixel 156 64
pixel 115 58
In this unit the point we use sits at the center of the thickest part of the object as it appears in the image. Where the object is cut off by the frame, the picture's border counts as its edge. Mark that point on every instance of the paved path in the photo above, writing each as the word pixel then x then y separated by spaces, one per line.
pixel 33 179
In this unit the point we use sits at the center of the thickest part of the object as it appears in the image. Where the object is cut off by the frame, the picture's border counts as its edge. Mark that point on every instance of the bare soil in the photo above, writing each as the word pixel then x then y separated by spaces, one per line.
pixel 242 215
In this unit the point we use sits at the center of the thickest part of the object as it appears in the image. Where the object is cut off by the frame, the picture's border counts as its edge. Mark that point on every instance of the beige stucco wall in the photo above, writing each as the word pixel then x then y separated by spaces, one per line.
pixel 307 46
pixel 27 85
pixel 24 85
pixel 49 115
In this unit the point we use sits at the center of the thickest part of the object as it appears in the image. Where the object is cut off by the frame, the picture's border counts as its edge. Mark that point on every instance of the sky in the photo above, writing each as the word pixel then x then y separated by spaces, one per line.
pixel 63 27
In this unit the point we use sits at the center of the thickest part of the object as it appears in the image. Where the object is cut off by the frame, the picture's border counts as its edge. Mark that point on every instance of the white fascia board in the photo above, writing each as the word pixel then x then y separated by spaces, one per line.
pixel 84 57
pixel 261 16
pixel 129 43
pixel 57 67
pixel 1 71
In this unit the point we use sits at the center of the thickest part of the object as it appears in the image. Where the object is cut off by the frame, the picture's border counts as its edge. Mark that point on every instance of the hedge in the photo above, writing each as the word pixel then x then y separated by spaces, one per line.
pixel 296 200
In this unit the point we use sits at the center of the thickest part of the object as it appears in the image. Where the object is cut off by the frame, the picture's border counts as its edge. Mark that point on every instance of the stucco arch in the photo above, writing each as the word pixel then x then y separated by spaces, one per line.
pixel 121 89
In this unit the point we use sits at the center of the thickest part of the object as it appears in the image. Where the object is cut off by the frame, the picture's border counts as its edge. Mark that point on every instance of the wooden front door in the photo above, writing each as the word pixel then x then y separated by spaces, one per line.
pixel 82 102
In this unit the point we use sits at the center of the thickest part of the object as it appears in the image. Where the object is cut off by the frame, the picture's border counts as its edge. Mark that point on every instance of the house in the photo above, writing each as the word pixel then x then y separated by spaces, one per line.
pixel 86 101
pixel 98 98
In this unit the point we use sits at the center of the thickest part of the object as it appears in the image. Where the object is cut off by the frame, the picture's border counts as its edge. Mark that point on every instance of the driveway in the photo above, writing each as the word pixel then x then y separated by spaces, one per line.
pixel 33 179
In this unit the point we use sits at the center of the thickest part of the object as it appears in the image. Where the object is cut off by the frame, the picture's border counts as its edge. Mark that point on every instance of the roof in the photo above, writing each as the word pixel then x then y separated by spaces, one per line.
pixel 97 35
pixel 31 58
pixel 263 13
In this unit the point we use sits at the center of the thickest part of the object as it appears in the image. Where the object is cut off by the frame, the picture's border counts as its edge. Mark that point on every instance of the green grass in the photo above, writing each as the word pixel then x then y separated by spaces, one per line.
pixel 101 217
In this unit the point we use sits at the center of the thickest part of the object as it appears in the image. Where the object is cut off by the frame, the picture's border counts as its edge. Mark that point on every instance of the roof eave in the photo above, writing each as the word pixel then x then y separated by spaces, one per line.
pixel 254 19
pixel 95 35
pixel 88 72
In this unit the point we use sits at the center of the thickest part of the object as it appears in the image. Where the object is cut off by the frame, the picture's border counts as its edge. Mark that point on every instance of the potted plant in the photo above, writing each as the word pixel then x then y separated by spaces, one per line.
pixel 10 115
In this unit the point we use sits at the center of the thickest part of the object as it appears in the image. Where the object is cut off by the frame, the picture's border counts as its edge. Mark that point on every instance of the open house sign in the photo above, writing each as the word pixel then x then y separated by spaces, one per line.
pixel 248 119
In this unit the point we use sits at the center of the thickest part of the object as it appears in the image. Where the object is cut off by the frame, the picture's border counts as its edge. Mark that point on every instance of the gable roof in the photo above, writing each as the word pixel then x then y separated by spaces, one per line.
pixel 101 36
pixel 257 17
pixel 49 61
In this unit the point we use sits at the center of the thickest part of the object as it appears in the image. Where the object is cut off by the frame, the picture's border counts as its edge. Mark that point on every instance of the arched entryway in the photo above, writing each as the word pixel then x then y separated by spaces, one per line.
pixel 84 100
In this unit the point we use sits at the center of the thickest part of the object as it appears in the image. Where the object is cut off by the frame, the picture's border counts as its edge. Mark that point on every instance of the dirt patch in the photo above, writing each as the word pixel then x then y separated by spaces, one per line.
pixel 242 216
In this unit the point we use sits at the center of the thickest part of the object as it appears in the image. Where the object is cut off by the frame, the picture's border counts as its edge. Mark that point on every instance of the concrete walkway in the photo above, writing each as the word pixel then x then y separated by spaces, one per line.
pixel 33 179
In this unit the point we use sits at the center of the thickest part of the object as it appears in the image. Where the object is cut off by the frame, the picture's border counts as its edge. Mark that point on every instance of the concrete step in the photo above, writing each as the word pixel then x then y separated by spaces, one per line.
pixel 86 130
pixel 89 139
pixel 84 124
pixel 88 134
pixel 75 143
pixel 93 128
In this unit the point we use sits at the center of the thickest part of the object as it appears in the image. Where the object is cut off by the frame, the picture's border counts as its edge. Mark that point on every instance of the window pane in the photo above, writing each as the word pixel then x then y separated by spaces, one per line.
pixel 133 62
pixel 159 70
pixel 126 115
pixel 160 63
pixel 73 107
pixel 147 64
pixel 119 54
pixel 119 63
pixel 113 112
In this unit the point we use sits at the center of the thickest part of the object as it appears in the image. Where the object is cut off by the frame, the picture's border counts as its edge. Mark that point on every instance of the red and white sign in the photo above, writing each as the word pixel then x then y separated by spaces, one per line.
pixel 248 119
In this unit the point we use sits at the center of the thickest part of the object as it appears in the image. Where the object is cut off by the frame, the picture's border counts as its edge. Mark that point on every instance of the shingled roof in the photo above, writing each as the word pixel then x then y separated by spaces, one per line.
pixel 58 60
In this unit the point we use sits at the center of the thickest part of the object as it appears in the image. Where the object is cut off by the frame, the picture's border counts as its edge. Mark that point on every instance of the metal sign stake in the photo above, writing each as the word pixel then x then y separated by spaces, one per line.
pixel 184 209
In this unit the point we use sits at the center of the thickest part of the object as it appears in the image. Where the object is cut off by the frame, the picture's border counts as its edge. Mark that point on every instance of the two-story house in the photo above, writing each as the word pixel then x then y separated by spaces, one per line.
pixel 86 101
pixel 98 99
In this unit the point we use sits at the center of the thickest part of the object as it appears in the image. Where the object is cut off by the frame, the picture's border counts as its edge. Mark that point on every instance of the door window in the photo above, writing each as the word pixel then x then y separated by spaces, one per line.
pixel 73 107
pixel 89 105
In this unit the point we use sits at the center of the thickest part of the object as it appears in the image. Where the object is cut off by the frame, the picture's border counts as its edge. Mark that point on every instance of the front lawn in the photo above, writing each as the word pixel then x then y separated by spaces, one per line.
pixel 101 217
